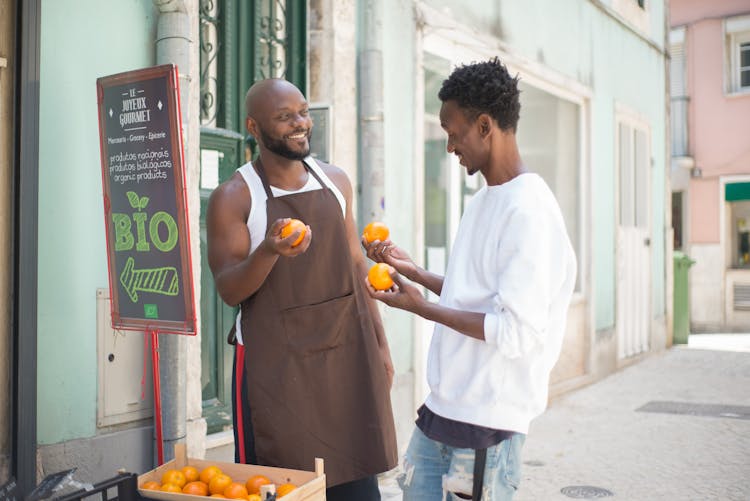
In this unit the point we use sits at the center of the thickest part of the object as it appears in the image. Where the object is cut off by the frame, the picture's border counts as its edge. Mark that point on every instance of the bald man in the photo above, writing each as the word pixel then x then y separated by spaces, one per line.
pixel 312 366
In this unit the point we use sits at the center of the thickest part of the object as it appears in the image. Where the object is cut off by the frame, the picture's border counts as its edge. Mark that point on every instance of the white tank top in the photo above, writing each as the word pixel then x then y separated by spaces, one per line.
pixel 257 220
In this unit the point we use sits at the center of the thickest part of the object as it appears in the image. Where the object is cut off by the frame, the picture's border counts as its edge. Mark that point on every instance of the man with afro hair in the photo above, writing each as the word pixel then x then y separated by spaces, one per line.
pixel 501 317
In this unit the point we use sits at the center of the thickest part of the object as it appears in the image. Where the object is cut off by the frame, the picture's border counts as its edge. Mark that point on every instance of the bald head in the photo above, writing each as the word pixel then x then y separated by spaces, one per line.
pixel 264 93
pixel 278 117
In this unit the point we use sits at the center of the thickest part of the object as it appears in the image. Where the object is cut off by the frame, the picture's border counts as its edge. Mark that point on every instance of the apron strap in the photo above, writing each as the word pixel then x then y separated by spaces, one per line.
pixel 315 175
pixel 480 459
pixel 267 186
pixel 263 179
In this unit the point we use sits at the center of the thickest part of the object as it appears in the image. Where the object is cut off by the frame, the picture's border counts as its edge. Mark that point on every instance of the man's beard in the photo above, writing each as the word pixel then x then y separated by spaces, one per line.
pixel 280 147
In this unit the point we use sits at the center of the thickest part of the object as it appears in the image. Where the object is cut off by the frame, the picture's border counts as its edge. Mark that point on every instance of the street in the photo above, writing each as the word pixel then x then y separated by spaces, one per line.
pixel 673 426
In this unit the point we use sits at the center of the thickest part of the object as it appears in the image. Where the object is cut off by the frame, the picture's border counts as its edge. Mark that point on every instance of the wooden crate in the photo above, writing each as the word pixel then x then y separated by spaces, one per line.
pixel 311 485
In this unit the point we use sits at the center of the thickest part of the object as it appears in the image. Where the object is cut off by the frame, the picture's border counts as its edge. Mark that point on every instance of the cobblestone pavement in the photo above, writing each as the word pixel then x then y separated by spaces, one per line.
pixel 692 444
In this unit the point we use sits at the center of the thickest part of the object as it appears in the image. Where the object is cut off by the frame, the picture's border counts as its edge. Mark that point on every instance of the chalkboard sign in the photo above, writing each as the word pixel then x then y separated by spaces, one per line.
pixel 145 209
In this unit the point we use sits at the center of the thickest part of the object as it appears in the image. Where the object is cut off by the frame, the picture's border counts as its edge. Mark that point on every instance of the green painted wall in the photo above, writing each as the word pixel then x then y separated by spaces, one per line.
pixel 81 41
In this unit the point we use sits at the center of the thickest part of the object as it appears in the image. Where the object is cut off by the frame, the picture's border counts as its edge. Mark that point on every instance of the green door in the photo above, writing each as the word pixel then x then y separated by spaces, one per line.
pixel 220 156
pixel 241 41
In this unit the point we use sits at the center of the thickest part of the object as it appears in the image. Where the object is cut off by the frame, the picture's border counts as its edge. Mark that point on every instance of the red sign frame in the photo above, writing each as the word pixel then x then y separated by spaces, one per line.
pixel 141 146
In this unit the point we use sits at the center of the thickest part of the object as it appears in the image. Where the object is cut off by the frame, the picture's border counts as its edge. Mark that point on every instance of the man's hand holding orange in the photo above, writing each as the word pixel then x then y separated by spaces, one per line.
pixel 280 240
pixel 401 294
pixel 385 251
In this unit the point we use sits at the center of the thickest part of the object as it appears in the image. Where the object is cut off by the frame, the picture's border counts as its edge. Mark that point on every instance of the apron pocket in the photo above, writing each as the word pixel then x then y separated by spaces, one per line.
pixel 315 328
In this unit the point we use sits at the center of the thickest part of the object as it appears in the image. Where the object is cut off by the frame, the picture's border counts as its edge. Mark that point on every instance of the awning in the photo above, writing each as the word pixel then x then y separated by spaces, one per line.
pixel 734 192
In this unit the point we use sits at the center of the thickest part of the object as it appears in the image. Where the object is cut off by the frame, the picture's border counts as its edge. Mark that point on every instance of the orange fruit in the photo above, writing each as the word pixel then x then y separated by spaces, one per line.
pixel 254 497
pixel 291 227
pixel 175 477
pixel 170 488
pixel 191 473
pixel 253 483
pixel 284 489
pixel 236 490
pixel 151 485
pixel 380 277
pixel 196 488
pixel 218 483
pixel 375 231
pixel 208 473
pixel 222 496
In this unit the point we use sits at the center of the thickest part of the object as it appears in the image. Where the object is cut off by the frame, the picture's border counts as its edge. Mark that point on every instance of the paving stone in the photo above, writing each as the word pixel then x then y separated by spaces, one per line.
pixel 595 436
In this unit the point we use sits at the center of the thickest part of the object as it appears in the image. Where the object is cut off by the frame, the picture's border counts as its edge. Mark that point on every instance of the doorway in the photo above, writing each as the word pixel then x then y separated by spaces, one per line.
pixel 633 244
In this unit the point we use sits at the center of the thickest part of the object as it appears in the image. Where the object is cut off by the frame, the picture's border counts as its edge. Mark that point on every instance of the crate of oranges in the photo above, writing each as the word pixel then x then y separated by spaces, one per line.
pixel 184 479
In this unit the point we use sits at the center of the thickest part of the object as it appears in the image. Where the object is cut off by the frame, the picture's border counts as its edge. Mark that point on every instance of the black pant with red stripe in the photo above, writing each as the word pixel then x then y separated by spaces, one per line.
pixel 365 489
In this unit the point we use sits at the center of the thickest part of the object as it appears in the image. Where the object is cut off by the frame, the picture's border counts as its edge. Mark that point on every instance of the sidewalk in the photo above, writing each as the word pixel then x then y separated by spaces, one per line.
pixel 675 426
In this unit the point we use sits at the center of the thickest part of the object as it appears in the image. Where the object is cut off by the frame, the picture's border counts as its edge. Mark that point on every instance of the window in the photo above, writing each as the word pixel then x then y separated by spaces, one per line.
pixel 635 13
pixel 634 171
pixel 737 31
pixel 244 41
pixel 549 138
pixel 677 223
pixel 678 93
pixel 744 67
pixel 447 186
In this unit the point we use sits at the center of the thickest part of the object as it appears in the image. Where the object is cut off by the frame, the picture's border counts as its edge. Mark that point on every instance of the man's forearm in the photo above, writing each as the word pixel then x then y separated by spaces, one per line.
pixel 431 281
pixel 468 323
pixel 238 282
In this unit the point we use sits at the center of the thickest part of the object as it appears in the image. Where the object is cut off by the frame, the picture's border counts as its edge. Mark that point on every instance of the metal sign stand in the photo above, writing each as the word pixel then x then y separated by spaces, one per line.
pixel 157 395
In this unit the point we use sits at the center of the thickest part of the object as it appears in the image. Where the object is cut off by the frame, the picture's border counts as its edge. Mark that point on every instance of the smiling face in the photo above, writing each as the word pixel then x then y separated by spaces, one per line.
pixel 279 118
pixel 464 137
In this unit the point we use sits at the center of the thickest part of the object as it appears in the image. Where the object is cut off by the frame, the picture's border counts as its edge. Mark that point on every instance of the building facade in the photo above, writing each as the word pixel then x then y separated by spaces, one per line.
pixel 593 124
pixel 710 93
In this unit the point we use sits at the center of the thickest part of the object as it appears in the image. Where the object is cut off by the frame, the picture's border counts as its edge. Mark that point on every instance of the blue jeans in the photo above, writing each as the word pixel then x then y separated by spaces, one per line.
pixel 435 471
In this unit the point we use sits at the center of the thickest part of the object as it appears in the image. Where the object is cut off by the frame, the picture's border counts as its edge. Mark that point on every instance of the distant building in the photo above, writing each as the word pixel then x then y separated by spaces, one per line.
pixel 710 93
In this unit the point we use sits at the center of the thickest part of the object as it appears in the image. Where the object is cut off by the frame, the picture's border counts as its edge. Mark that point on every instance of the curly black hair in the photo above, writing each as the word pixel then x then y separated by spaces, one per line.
pixel 485 87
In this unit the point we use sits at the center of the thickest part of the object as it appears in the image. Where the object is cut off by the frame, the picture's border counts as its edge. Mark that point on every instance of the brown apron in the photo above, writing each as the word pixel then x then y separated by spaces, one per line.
pixel 316 382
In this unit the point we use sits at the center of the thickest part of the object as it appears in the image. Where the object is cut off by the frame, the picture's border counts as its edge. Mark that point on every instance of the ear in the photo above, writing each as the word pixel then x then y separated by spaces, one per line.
pixel 485 125
pixel 251 127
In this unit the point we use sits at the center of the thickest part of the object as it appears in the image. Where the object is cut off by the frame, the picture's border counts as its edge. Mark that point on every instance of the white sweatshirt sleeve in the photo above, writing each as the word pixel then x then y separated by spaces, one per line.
pixel 527 244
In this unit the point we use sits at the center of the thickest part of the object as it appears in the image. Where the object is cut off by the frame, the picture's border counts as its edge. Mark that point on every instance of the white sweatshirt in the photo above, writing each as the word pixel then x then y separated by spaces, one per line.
pixel 512 260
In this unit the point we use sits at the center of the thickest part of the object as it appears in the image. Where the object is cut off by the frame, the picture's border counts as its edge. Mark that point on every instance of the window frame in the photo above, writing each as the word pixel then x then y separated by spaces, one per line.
pixel 635 124
pixel 736 33
pixel 738 40
pixel 679 94
pixel 635 12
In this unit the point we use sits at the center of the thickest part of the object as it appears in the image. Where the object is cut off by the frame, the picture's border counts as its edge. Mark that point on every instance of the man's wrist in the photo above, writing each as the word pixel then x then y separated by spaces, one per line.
pixel 416 275
pixel 266 248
